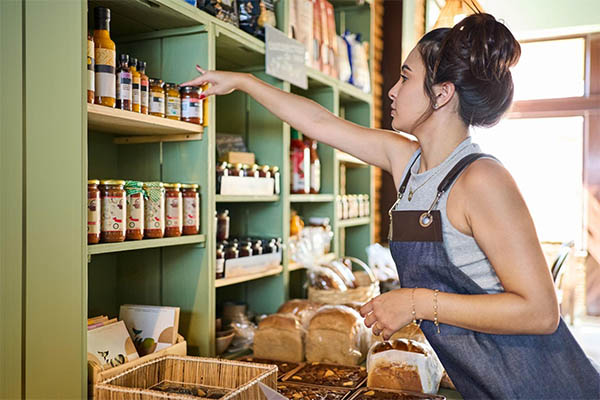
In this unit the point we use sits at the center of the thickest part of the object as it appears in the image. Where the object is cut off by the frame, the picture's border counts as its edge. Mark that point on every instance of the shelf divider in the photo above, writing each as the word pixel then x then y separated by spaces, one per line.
pixel 346 223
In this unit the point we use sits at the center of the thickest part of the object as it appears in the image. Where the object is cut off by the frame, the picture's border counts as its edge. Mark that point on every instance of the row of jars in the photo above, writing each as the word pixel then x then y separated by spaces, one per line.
pixel 247 247
pixel 353 206
pixel 252 171
pixel 121 210
pixel 169 100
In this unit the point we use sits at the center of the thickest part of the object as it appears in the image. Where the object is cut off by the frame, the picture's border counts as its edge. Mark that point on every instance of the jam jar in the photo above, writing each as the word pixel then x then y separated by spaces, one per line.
pixel 275 174
pixel 232 251
pixel 135 210
pixel 191 105
pixel 174 209
pixel 223 226
pixel 154 210
pixel 93 219
pixel 191 209
pixel 220 267
pixel 113 211
pixel 222 170
pixel 157 98
pixel 173 103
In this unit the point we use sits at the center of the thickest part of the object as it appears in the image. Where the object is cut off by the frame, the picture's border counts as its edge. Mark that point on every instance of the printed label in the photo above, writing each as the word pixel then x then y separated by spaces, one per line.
pixel 190 108
pixel 157 103
pixel 124 87
pixel 191 210
pixel 137 94
pixel 173 107
pixel 144 95
pixel 135 215
pixel 105 80
pixel 94 215
pixel 113 214
pixel 300 166
pixel 91 84
pixel 220 267
pixel 174 212
pixel 154 214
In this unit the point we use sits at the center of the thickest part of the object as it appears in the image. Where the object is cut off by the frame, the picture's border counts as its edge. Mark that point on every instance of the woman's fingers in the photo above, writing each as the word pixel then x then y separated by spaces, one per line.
pixel 377 329
pixel 370 320
pixel 199 81
pixel 199 68
pixel 366 309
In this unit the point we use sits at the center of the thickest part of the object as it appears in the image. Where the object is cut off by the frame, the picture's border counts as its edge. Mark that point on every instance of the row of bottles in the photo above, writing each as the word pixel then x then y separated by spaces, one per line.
pixel 305 165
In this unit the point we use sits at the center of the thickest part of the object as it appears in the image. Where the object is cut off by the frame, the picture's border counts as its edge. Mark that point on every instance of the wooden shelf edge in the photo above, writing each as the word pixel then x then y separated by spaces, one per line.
pixel 311 198
pixel 245 199
pixel 246 278
pixel 103 248
pixel 156 138
pixel 346 223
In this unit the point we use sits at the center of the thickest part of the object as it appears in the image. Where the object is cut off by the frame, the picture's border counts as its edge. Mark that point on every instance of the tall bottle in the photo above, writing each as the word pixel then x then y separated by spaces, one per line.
pixel 136 95
pixel 91 86
pixel 315 166
pixel 124 84
pixel 144 86
pixel 105 58
pixel 300 165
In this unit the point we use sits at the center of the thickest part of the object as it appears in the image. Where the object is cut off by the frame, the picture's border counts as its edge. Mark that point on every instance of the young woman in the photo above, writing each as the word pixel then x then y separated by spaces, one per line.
pixel 464 243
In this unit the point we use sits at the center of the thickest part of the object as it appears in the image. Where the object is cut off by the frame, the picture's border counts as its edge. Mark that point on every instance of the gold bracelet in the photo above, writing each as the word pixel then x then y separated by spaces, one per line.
pixel 435 310
pixel 414 311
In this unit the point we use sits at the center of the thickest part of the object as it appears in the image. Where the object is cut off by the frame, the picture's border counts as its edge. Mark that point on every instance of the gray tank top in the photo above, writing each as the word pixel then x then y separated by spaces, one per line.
pixel 462 249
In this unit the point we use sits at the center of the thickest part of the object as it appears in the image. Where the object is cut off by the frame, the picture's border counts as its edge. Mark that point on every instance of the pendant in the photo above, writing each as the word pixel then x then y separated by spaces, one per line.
pixel 410 195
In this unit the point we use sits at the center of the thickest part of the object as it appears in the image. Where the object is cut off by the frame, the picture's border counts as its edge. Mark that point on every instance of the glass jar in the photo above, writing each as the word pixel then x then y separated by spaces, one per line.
pixel 191 105
pixel 339 207
pixel 345 207
pixel 236 169
pixel 252 171
pixel 135 210
pixel 367 205
pixel 113 211
pixel 257 248
pixel 223 226
pixel 174 210
pixel 232 251
pixel 275 174
pixel 154 210
pixel 264 171
pixel 93 213
pixel 352 206
pixel 191 209
pixel 157 98
pixel 361 205
pixel 220 267
pixel 222 171
pixel 246 250
pixel 173 109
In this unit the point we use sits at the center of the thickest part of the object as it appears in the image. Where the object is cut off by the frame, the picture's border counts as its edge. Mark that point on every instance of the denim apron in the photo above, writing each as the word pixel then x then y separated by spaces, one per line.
pixel 483 365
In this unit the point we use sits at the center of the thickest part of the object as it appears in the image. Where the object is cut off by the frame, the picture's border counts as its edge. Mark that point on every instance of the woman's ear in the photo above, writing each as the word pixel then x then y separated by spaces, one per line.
pixel 443 94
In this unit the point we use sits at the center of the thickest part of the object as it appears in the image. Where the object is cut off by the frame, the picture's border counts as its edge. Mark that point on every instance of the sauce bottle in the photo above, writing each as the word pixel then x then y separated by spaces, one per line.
pixel 105 59
pixel 136 96
pixel 124 84
pixel 157 98
pixel 144 87
pixel 315 166
pixel 220 267
pixel 300 165
pixel 90 69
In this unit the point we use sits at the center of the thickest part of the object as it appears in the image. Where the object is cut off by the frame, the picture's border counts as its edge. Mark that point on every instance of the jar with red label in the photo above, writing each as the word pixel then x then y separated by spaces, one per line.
pixel 114 211
pixel 191 209
pixel 93 220
pixel 135 210
pixel 223 226
pixel 174 210
pixel 154 210
pixel 191 105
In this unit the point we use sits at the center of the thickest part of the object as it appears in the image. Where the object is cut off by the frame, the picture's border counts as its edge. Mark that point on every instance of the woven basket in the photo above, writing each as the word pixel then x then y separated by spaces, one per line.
pixel 241 378
pixel 368 288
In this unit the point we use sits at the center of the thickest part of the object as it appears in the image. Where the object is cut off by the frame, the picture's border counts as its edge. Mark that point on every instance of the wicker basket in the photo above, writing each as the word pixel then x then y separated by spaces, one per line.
pixel 241 378
pixel 368 288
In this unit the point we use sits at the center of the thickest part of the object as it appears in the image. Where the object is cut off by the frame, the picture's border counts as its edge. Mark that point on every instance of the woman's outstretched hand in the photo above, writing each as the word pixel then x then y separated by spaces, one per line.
pixel 221 82
pixel 388 313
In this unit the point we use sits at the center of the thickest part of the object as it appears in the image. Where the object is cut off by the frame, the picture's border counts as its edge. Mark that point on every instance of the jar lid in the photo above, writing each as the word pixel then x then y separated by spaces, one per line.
pixel 155 81
pixel 112 182
pixel 172 185
pixel 189 89
pixel 265 167
pixel 134 184
pixel 190 186
pixel 171 85
pixel 274 169
pixel 93 182
pixel 151 185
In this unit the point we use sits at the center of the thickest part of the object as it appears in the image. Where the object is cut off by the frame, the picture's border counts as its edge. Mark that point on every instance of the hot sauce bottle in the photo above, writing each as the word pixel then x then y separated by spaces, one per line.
pixel 144 87
pixel 105 59
pixel 124 84
pixel 135 84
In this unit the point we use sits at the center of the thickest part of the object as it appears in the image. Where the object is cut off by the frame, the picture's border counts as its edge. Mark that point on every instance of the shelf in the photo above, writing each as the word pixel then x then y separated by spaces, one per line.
pixel 103 248
pixel 294 266
pixel 236 49
pixel 346 223
pixel 311 198
pixel 348 93
pixel 245 199
pixel 349 160
pixel 239 279
pixel 139 128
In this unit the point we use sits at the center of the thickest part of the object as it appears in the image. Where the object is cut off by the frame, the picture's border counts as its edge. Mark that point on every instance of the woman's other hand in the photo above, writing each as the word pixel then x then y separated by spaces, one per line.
pixel 388 313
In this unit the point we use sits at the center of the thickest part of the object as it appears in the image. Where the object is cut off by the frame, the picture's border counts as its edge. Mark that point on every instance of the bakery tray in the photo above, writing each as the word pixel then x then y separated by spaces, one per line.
pixel 297 391
pixel 383 394
pixel 284 368
pixel 341 377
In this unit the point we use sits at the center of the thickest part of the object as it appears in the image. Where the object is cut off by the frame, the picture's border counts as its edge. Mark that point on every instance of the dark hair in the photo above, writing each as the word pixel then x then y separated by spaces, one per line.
pixel 475 55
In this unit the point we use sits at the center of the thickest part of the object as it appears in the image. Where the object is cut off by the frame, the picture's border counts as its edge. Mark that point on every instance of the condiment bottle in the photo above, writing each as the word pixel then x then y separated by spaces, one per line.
pixel 220 267
pixel 191 110
pixel 136 77
pixel 276 176
pixel 90 69
pixel 174 212
pixel 105 59
pixel 191 209
pixel 144 87
pixel 173 101
pixel 154 210
pixel 270 246
pixel 232 251
pixel 246 250
pixel 339 207
pixel 236 170
pixel 113 211
pixel 124 84
pixel 253 171
pixel 93 213
pixel 135 210
pixel 257 248
pixel 299 164
pixel 264 172
pixel 315 166
pixel 223 226
pixel 222 171
pixel 157 98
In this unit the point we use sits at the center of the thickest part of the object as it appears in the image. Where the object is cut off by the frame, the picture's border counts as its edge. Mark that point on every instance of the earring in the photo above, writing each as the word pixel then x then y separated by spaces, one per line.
pixel 435 106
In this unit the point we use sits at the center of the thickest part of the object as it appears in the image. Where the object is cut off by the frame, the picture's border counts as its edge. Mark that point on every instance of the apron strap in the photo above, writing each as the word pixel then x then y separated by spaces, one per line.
pixel 407 178
pixel 459 167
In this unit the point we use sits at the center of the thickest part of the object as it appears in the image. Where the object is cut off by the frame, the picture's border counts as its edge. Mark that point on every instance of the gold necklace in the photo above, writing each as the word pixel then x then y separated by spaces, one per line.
pixel 411 191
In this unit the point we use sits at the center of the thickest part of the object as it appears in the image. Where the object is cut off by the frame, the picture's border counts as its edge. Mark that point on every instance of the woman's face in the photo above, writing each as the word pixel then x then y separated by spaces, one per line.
pixel 409 99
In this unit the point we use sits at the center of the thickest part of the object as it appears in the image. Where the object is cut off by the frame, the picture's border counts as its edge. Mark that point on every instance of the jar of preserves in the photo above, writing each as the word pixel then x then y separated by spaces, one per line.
pixel 174 210
pixel 246 250
pixel 135 210
pixel 222 170
pixel 114 215
pixel 154 210
pixel 173 101
pixel 236 169
pixel 157 98
pixel 223 226
pixel 275 174
pixel 191 209
pixel 93 219
pixel 232 251
pixel 191 105
pixel 264 171
pixel 220 267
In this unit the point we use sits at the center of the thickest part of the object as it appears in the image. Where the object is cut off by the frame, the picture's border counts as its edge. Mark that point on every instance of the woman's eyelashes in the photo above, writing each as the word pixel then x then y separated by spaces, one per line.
pixel 403 77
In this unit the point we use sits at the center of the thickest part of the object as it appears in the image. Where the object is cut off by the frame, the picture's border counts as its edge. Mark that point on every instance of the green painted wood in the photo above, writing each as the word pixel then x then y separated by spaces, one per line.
pixel 11 199
pixel 102 293
pixel 55 259
pixel 103 248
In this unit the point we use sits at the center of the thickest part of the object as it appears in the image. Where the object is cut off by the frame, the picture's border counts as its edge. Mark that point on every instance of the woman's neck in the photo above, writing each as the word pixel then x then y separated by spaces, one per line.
pixel 438 139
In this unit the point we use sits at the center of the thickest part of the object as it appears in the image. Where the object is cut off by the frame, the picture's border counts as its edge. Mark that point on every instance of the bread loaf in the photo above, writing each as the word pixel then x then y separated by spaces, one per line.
pixel 301 308
pixel 335 335
pixel 280 337
pixel 404 364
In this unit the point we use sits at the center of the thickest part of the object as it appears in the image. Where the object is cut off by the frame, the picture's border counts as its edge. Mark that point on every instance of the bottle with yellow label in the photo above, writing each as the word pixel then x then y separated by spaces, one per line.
pixel 105 59
pixel 90 69
pixel 205 107
pixel 144 86
pixel 157 98
pixel 136 96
